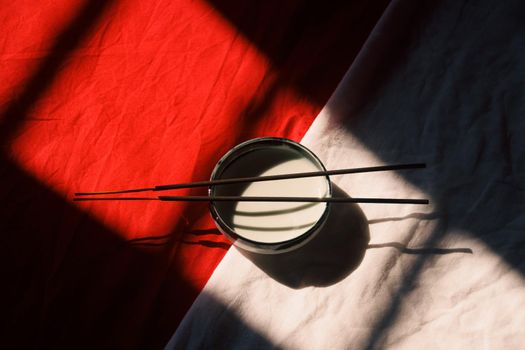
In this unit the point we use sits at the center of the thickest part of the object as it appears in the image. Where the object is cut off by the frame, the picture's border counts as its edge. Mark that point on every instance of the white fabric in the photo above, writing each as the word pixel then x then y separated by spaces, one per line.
pixel 443 85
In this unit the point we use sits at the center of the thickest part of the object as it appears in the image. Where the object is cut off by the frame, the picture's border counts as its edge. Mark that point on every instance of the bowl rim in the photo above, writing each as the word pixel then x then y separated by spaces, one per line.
pixel 249 244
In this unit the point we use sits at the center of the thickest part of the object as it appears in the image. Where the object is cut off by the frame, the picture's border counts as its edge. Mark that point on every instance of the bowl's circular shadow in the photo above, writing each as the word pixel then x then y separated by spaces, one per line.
pixel 336 250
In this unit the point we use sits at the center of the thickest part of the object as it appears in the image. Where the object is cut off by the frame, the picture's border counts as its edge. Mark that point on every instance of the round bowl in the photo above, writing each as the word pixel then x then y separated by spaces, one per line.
pixel 270 227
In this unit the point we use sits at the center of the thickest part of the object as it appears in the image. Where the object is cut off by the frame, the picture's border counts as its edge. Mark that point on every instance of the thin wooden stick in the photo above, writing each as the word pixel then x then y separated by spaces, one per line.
pixel 262 199
pixel 261 178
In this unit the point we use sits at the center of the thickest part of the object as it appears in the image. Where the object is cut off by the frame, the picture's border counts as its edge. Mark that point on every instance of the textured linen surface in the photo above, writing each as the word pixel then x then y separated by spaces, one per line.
pixel 110 94
pixel 438 83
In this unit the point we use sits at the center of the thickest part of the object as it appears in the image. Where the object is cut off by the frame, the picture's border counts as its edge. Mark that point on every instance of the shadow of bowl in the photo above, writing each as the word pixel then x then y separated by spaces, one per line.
pixel 336 250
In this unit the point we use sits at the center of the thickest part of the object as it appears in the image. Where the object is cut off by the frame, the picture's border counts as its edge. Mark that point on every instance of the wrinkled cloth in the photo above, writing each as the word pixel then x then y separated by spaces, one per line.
pixel 440 83
pixel 108 95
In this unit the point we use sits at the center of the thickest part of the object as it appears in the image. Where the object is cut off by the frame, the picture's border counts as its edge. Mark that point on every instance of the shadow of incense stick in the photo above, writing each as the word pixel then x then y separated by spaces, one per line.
pixel 424 250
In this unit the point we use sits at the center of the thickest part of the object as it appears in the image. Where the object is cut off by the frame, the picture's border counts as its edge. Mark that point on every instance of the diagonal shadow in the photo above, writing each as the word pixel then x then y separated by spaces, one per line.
pixel 61 270
pixel 298 39
pixel 402 248
pixel 80 26
pixel 61 267
pixel 289 32
pixel 205 335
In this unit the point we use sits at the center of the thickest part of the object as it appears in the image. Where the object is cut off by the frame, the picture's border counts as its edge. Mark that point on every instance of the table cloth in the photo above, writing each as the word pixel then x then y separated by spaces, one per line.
pixel 109 94
pixel 435 82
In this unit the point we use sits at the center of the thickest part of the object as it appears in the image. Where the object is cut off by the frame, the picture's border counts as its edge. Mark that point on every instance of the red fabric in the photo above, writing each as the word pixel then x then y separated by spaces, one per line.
pixel 107 95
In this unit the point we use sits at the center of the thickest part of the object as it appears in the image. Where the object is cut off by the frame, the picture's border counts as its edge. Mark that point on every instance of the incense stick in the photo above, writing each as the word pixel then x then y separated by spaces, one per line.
pixel 260 178
pixel 262 199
